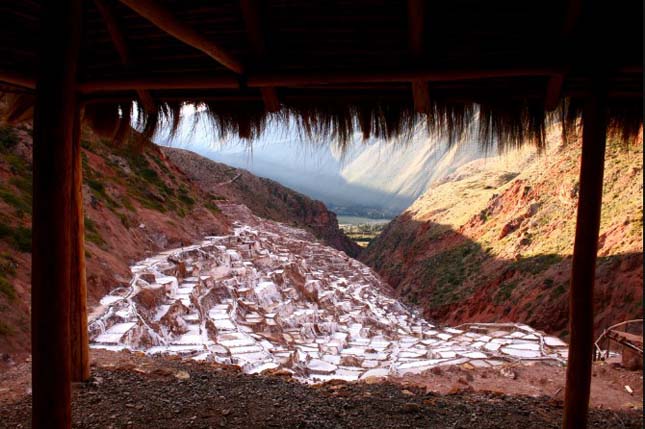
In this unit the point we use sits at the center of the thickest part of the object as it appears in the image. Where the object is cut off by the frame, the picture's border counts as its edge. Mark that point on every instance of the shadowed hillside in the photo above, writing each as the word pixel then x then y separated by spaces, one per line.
pixel 493 241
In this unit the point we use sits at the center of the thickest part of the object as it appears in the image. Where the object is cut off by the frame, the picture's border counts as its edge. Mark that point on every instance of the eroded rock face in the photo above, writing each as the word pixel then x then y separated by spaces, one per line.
pixel 269 296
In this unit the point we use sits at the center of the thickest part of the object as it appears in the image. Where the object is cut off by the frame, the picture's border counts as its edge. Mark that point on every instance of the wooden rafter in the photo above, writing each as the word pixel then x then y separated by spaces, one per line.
pixel 121 46
pixel 416 23
pixel 166 21
pixel 17 79
pixel 255 34
pixel 304 79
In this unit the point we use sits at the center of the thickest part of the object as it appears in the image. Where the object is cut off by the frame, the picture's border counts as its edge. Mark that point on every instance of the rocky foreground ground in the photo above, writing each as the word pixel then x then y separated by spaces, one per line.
pixel 130 390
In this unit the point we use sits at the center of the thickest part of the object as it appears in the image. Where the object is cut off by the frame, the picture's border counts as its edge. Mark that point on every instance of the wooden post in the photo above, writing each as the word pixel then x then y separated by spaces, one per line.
pixel 78 303
pixel 584 264
pixel 52 183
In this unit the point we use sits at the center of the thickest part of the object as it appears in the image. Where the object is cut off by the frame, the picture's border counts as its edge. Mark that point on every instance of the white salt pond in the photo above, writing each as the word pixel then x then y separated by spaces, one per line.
pixel 270 296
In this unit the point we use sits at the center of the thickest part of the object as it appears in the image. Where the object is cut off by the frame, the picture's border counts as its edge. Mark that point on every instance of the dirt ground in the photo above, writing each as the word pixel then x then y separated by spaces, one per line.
pixel 607 386
pixel 132 391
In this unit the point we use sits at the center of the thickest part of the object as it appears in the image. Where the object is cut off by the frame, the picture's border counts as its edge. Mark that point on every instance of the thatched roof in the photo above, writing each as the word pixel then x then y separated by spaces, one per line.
pixel 336 66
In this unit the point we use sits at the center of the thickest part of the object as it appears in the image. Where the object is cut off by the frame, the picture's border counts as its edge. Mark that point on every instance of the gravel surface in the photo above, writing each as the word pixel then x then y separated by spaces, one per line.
pixel 165 393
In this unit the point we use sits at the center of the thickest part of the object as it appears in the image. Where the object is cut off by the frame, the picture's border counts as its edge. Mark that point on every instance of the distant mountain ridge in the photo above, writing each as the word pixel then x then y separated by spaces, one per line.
pixel 371 178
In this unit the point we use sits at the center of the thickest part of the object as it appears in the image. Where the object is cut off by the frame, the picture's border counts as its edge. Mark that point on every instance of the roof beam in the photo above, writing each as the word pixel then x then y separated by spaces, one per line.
pixel 17 79
pixel 166 21
pixel 253 24
pixel 416 14
pixel 404 75
pixel 307 79
pixel 165 82
pixel 118 40
pixel 303 79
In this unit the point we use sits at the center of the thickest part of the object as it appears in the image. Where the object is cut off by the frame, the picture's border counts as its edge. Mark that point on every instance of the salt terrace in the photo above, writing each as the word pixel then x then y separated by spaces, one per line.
pixel 270 297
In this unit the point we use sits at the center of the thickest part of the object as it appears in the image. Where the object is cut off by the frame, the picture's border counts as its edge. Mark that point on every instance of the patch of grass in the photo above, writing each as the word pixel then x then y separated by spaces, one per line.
pixel 125 220
pixel 6 289
pixel 184 198
pixel 505 291
pixel 85 164
pixel 559 290
pixel 23 183
pixel 535 264
pixel 92 234
pixel 18 238
pixel 99 191
pixel 96 185
pixel 212 207
pixel 87 145
pixel 448 271
pixel 5 330
pixel 7 271
pixel 149 175
pixel 127 203
pixel 146 198
pixel 22 238
pixel 18 164
pixel 8 138
pixel 161 166
pixel 7 265
pixel 19 202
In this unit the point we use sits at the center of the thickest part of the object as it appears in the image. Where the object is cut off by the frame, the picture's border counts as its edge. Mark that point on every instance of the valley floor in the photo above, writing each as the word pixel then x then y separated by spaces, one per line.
pixel 130 390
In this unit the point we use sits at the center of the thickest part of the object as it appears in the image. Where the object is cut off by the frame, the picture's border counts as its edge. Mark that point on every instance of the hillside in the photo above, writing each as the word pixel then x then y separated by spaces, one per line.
pixel 493 241
pixel 266 198
pixel 136 203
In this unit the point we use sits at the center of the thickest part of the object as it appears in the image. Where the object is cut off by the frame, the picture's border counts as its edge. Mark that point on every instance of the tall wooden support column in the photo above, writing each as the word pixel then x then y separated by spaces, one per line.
pixel 78 303
pixel 584 264
pixel 51 258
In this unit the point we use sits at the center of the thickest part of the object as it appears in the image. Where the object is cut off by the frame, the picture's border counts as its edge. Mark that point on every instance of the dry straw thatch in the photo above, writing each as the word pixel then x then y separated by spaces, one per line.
pixel 505 125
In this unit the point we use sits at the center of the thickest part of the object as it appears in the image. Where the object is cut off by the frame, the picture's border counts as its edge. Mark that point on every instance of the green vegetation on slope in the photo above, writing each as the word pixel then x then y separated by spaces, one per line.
pixel 493 245
pixel 134 202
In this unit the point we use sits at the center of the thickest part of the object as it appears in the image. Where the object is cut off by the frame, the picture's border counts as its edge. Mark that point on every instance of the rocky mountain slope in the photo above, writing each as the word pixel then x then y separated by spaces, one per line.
pixel 266 198
pixel 493 241
pixel 136 203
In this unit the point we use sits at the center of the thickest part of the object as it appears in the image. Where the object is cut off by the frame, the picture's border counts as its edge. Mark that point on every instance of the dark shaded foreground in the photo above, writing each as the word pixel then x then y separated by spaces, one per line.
pixel 191 395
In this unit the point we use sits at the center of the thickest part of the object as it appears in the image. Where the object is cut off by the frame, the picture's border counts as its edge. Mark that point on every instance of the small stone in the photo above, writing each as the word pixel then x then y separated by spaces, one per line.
pixel 508 373
pixel 410 407
pixel 182 375
pixel 436 370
